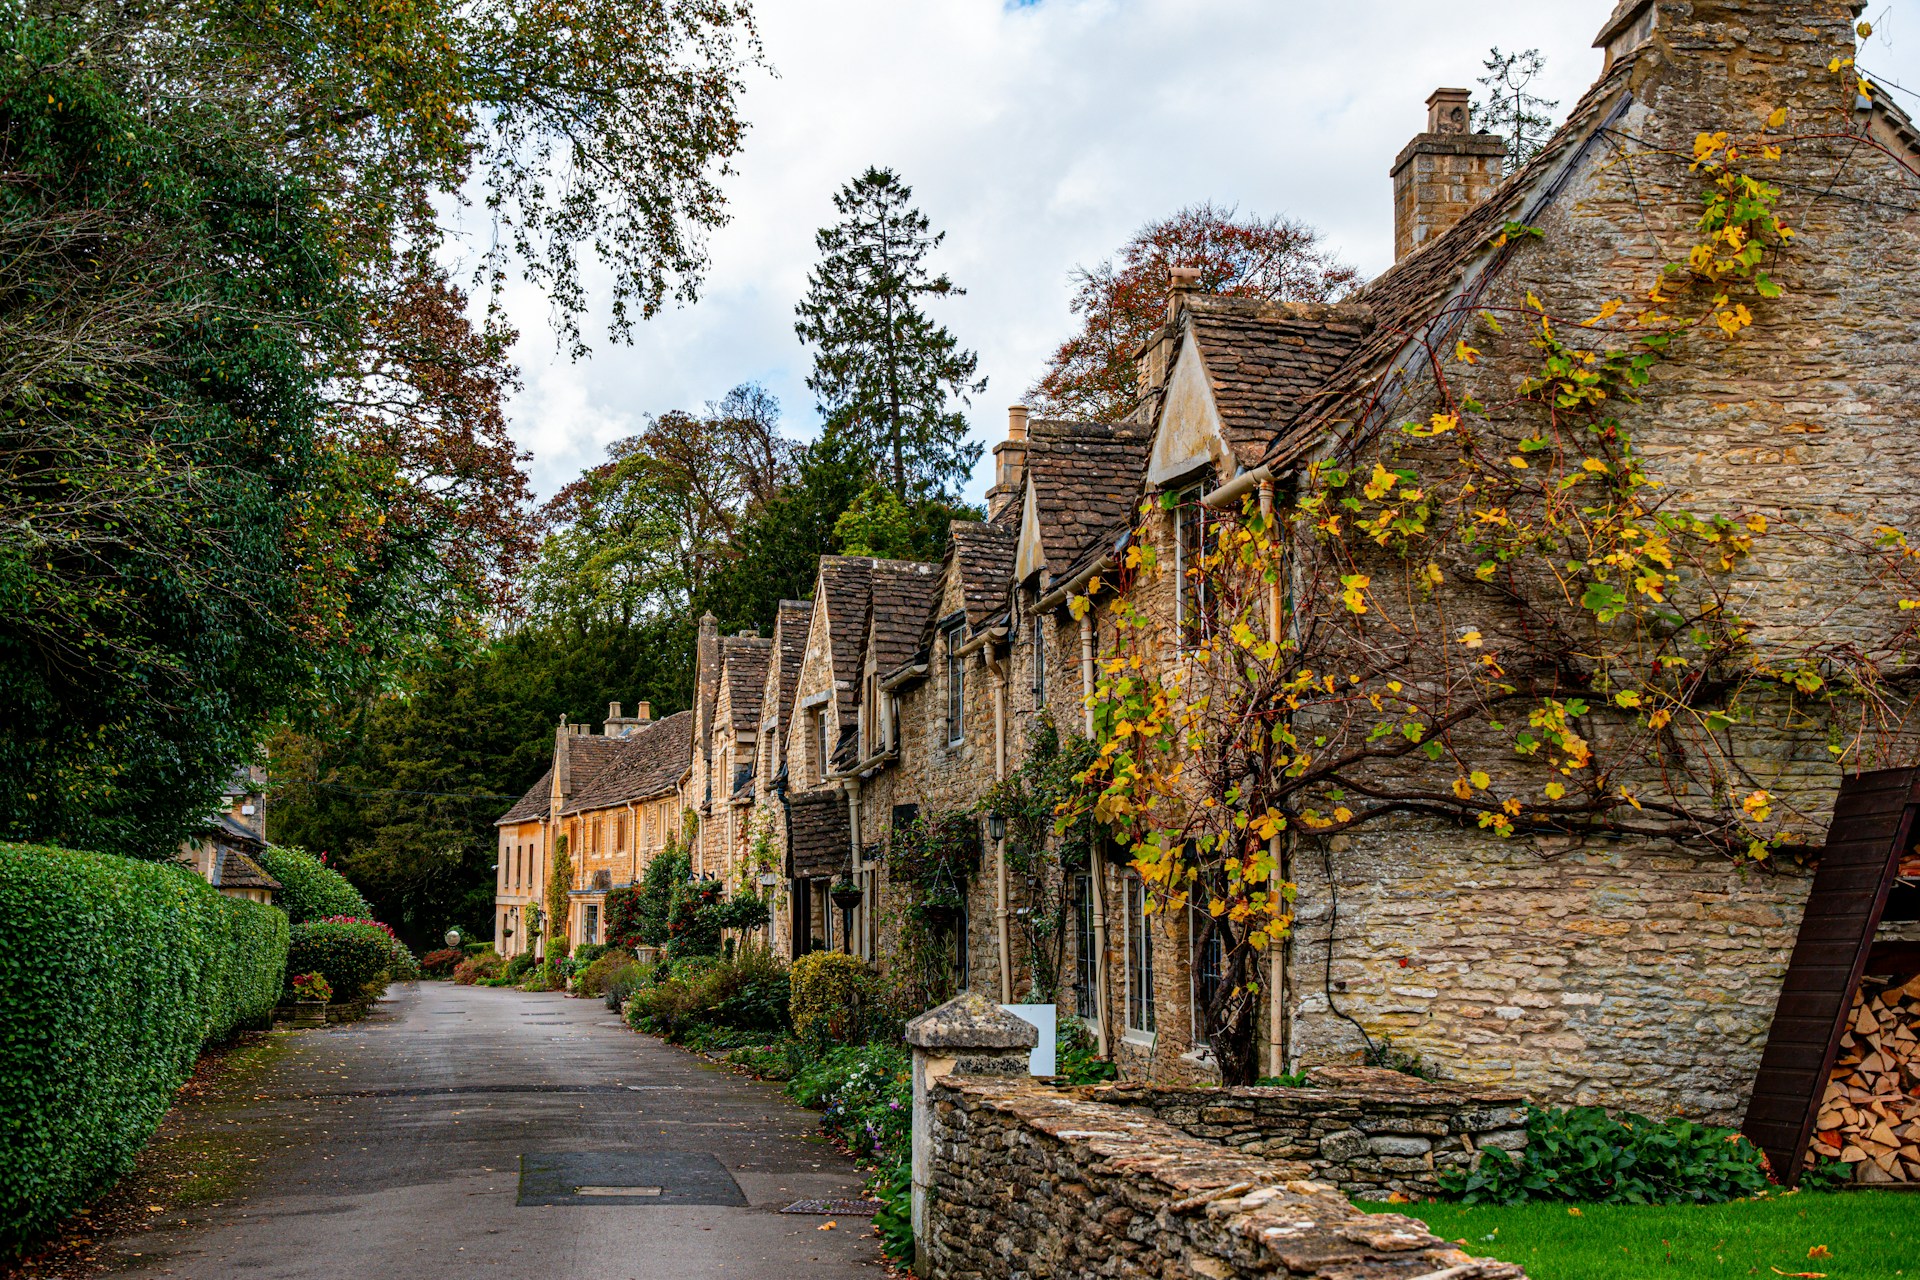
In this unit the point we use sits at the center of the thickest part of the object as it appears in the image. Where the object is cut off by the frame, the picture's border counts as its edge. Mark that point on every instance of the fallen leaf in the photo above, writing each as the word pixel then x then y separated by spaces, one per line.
pixel 1819 1251
pixel 1575 1213
pixel 1799 1275
pixel 828 1226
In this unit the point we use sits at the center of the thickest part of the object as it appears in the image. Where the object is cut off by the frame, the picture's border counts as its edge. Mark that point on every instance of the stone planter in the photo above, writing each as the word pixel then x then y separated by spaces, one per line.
pixel 309 1013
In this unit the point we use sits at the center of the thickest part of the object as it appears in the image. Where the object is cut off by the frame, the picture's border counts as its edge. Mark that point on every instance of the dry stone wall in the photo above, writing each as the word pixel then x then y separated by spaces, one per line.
pixel 1390 1133
pixel 1031 1183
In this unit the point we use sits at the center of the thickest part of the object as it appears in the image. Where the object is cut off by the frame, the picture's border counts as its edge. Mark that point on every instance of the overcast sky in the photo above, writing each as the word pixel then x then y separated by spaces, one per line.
pixel 1038 136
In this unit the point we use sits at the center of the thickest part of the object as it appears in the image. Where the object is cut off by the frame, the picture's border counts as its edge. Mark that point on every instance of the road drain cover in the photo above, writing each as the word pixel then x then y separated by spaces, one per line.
pixel 627 1177
pixel 836 1208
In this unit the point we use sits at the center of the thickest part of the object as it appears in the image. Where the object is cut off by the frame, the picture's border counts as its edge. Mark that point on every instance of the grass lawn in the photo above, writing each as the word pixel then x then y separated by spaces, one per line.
pixel 1867 1233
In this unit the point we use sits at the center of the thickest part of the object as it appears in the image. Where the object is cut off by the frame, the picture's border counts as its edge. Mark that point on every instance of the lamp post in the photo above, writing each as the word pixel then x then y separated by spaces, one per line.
pixel 453 937
pixel 997 826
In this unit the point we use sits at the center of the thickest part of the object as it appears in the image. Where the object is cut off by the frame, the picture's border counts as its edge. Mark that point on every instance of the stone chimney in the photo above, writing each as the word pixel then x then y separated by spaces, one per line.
pixel 561 783
pixel 1154 360
pixel 644 712
pixel 1009 463
pixel 1443 173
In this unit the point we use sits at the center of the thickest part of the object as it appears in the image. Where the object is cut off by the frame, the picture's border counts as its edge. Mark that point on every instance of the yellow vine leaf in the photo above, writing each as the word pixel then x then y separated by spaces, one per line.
pixel 1555 791
pixel 1480 779
pixel 1778 118
pixel 1463 788
pixel 1758 806
pixel 1606 313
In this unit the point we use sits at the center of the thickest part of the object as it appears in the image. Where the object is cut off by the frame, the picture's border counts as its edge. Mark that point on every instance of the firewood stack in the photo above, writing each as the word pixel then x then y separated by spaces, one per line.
pixel 1870 1117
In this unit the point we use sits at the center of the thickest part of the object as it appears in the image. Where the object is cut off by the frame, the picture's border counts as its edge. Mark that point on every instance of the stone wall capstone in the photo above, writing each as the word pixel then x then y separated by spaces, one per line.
pixel 1031 1182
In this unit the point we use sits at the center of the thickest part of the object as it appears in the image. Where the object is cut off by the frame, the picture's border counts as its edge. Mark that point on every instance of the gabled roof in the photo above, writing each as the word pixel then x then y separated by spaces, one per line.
pixel 1416 295
pixel 531 807
pixel 233 869
pixel 1264 358
pixel 644 765
pixel 743 668
pixel 844 586
pixel 1082 476
pixel 819 838
pixel 790 624
pixel 904 593
pixel 982 555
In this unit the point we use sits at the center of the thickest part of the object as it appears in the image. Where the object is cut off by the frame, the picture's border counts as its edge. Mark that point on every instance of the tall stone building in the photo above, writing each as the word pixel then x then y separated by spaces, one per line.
pixel 1626 971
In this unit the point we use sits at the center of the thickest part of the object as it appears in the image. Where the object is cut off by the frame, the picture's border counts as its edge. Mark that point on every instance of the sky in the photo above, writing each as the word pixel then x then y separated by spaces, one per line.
pixel 1038 136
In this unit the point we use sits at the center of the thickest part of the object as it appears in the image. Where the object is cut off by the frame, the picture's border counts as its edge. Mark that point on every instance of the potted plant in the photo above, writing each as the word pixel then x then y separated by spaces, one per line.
pixel 310 996
pixel 845 893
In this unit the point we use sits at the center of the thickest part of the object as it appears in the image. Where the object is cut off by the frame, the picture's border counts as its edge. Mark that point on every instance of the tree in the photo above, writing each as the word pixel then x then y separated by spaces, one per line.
pixel 1524 120
pixel 879 524
pixel 884 373
pixel 1123 300
pixel 401 789
pixel 251 452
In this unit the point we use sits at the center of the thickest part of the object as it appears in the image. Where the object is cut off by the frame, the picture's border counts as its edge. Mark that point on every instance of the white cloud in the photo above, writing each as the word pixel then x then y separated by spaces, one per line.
pixel 1039 136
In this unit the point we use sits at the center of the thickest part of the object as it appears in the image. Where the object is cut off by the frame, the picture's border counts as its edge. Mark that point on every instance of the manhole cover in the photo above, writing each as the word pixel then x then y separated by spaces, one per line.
pixel 836 1208
pixel 627 1177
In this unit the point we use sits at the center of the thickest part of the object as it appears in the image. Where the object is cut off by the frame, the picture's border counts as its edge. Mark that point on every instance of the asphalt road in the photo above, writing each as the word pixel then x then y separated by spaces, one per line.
pixel 446 1136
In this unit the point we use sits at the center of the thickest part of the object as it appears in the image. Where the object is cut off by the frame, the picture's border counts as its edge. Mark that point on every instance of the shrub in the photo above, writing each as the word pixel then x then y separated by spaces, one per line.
pixel 402 967
pixel 587 952
pixel 439 963
pixel 623 983
pixel 542 977
pixel 311 986
pixel 1077 1057
pixel 309 888
pixel 518 966
pixel 353 956
pixel 893 1223
pixel 478 968
pixel 1584 1154
pixel 833 989
pixel 131 968
pixel 748 994
pixel 592 980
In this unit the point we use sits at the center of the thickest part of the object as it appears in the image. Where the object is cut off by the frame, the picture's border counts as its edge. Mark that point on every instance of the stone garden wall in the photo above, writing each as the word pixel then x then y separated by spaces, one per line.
pixel 1371 1133
pixel 1029 1182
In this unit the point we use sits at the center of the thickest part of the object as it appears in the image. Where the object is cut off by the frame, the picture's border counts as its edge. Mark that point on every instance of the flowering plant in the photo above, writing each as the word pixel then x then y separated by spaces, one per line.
pixel 311 986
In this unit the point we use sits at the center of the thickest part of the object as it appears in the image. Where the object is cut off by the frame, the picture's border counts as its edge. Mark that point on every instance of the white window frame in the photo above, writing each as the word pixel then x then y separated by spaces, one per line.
pixel 1139 935
pixel 956 690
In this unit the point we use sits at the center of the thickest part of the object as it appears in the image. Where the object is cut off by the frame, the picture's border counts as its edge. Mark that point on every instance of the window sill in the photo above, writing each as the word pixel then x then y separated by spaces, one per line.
pixel 1137 1037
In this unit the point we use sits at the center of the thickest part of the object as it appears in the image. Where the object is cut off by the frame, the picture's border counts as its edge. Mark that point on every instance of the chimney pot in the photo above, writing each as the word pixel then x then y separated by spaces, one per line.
pixel 1016 422
pixel 644 711
pixel 1449 110
pixel 613 711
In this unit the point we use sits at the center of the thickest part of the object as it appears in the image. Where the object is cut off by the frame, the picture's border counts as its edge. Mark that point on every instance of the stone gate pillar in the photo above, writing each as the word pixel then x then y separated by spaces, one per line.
pixel 968 1035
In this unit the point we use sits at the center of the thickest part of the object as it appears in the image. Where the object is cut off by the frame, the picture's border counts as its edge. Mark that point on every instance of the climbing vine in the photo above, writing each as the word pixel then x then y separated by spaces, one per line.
pixel 1048 836
pixel 931 861
pixel 1501 614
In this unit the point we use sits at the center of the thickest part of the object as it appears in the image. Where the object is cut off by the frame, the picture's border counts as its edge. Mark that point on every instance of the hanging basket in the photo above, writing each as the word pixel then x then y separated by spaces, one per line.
pixel 846 894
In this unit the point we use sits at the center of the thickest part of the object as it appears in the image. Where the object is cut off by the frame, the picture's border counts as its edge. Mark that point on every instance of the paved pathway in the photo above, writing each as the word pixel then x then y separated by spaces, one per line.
pixel 394 1149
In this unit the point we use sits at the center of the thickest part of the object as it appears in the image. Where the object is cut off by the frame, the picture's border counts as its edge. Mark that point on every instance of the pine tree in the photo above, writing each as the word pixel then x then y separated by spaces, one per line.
pixel 1525 121
pixel 884 374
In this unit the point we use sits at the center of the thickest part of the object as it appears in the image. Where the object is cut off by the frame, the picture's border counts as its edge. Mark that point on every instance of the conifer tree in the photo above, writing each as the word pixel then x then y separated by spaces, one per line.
pixel 885 375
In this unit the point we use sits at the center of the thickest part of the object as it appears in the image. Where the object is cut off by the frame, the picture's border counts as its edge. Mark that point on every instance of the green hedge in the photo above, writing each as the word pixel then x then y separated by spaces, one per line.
pixel 120 971
pixel 309 889
pixel 352 957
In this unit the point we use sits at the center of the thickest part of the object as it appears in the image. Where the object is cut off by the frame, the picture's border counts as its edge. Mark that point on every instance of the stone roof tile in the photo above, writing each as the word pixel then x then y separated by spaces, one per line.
pixel 1083 476
pixel 645 764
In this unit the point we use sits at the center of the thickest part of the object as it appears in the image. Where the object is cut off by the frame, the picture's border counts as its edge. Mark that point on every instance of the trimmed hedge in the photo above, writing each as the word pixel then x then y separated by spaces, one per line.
pixel 124 969
pixel 350 956
pixel 310 889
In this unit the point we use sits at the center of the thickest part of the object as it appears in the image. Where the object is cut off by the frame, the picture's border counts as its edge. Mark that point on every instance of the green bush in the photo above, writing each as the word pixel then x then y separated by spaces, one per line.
pixel 518 966
pixel 310 889
pixel 1584 1154
pixel 592 980
pixel 832 988
pixel 130 968
pixel 544 976
pixel 438 964
pixel 622 983
pixel 747 994
pixel 1077 1057
pixel 478 968
pixel 354 958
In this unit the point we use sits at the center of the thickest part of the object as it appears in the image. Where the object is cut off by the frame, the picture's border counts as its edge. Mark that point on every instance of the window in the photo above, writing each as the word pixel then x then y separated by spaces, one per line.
pixel 1194 541
pixel 956 688
pixel 1209 958
pixel 590 925
pixel 1039 663
pixel 1139 959
pixel 1086 966
pixel 820 741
